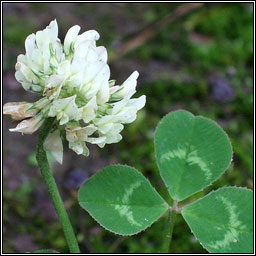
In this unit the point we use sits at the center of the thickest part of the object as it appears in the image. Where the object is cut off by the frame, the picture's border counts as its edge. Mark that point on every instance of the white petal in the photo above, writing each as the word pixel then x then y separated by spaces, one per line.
pixel 104 123
pixel 26 72
pixel 22 58
pixel 40 39
pixel 129 116
pixel 95 75
pixel 139 103
pixel 52 30
pixel 92 54
pixel 113 138
pixel 35 60
pixel 36 88
pixel 104 128
pixel 30 44
pixel 73 112
pixel 29 126
pixel 79 147
pixel 114 89
pixel 98 140
pixel 76 80
pixel 65 110
pixel 92 70
pixel 53 143
pixel 21 79
pixel 19 110
pixel 89 110
pixel 102 120
pixel 71 135
pixel 77 65
pixel 26 77
pixel 131 81
pixel 117 128
pixel 58 48
pixel 41 103
pixel 47 36
pixel 56 82
pixel 47 69
pixel 129 85
pixel 90 129
pixel 103 93
pixel 53 81
pixel 70 39
pixel 64 118
pixel 118 106
pixel 100 83
pixel 102 54
pixel 27 86
pixel 64 68
pixel 81 51
pixel 90 35
pixel 59 105
pixel 101 145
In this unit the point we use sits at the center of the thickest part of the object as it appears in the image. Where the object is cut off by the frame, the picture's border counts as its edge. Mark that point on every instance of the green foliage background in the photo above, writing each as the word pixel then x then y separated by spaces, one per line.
pixel 202 63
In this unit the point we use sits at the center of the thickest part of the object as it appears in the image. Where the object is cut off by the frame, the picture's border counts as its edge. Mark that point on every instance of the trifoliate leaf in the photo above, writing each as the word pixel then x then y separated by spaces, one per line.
pixel 191 152
pixel 222 221
pixel 122 200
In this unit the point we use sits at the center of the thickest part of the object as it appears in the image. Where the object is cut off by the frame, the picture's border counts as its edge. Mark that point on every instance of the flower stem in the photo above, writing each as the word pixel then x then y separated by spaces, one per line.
pixel 169 228
pixel 52 187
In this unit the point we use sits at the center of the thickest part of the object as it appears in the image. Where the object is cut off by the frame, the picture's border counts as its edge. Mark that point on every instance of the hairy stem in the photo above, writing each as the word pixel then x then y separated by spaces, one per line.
pixel 52 187
pixel 169 228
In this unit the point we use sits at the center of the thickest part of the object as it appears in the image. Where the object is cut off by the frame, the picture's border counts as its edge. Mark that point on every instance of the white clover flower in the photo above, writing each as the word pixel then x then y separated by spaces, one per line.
pixel 73 80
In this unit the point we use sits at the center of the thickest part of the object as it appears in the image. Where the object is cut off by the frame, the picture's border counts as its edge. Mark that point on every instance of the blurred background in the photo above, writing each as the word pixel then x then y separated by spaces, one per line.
pixel 197 57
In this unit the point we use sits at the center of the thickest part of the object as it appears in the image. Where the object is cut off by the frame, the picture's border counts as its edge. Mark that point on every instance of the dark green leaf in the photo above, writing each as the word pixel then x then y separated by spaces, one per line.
pixel 122 200
pixel 222 221
pixel 191 152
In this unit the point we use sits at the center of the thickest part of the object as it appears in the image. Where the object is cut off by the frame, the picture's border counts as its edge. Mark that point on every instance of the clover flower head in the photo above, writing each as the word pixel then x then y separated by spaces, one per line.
pixel 73 80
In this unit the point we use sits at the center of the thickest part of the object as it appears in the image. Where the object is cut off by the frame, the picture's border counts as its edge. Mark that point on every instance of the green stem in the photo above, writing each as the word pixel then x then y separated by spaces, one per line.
pixel 169 228
pixel 52 187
